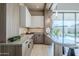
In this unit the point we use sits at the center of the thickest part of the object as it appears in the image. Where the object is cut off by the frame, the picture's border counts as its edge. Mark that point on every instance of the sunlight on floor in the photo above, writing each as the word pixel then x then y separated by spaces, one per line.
pixel 42 50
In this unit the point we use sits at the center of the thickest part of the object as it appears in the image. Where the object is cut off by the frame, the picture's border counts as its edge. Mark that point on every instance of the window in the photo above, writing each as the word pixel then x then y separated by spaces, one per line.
pixel 77 28
pixel 69 28
pixel 57 27
pixel 65 28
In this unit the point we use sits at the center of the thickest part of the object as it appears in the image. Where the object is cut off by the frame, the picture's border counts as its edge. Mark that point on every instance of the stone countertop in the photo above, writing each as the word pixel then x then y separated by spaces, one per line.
pixel 24 38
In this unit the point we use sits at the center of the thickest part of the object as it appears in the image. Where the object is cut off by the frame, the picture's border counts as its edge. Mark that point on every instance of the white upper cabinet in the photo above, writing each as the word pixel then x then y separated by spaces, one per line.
pixel 25 17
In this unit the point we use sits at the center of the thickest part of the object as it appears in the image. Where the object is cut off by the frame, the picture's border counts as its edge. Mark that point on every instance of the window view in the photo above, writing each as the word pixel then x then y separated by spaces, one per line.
pixel 57 27
pixel 65 28
pixel 69 28
pixel 77 28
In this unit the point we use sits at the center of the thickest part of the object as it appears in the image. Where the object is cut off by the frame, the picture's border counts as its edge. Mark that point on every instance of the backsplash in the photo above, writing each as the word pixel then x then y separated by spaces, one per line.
pixel 22 30
pixel 36 30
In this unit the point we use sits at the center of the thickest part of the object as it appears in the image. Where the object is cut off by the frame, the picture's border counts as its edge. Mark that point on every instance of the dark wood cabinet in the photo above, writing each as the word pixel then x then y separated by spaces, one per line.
pixel 47 40
pixel 2 22
pixel 41 38
pixel 16 49
pixel 4 50
pixel 38 38
pixel 9 21
pixel 7 50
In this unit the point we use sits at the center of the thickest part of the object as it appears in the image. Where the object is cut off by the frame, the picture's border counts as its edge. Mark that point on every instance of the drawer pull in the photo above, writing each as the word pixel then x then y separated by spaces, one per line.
pixel 28 45
pixel 27 42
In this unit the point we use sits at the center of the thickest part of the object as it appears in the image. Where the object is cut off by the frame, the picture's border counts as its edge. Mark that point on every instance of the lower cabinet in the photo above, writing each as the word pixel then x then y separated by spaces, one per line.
pixel 27 48
pixel 38 38
pixel 47 40
pixel 16 50
pixel 41 38
pixel 7 50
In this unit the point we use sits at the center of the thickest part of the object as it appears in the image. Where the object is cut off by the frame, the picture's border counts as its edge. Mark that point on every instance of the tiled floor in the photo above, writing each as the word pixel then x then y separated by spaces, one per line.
pixel 42 50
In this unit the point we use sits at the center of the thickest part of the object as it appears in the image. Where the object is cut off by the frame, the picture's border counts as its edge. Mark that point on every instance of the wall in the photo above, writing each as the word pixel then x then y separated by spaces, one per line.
pixel 36 30
pixel 47 20
pixel 37 21
pixel 12 20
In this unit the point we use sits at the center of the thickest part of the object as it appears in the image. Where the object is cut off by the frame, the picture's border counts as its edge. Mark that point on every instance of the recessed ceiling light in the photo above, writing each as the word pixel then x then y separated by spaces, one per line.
pixel 37 6
pixel 21 4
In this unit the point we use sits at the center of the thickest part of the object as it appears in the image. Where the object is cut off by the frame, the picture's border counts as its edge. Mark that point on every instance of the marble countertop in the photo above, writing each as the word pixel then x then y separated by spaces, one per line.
pixel 24 38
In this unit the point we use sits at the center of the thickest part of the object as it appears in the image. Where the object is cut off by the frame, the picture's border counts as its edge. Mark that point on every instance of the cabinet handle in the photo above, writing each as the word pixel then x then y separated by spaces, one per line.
pixel 28 45
pixel 27 42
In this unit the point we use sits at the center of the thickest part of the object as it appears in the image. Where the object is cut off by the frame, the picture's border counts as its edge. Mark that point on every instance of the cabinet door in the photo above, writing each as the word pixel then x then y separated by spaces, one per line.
pixel 4 50
pixel 28 18
pixel 47 40
pixel 11 50
pixel 27 50
pixel 18 50
pixel 24 49
pixel 2 22
pixel 38 38
pixel 29 47
pixel 22 16
pixel 7 50
pixel 31 43
pixel 25 17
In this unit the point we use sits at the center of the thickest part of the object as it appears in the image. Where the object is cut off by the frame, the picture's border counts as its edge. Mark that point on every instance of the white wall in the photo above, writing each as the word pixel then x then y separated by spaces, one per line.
pixel 36 30
pixel 12 20
pixel 37 21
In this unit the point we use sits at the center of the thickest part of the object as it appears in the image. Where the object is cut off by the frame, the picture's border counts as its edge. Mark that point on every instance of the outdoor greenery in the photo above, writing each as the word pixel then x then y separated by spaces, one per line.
pixel 56 32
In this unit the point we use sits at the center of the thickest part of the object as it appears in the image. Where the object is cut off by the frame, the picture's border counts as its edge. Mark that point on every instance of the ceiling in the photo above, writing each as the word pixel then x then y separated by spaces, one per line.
pixel 56 6
pixel 38 6
pixel 35 6
pixel 66 6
